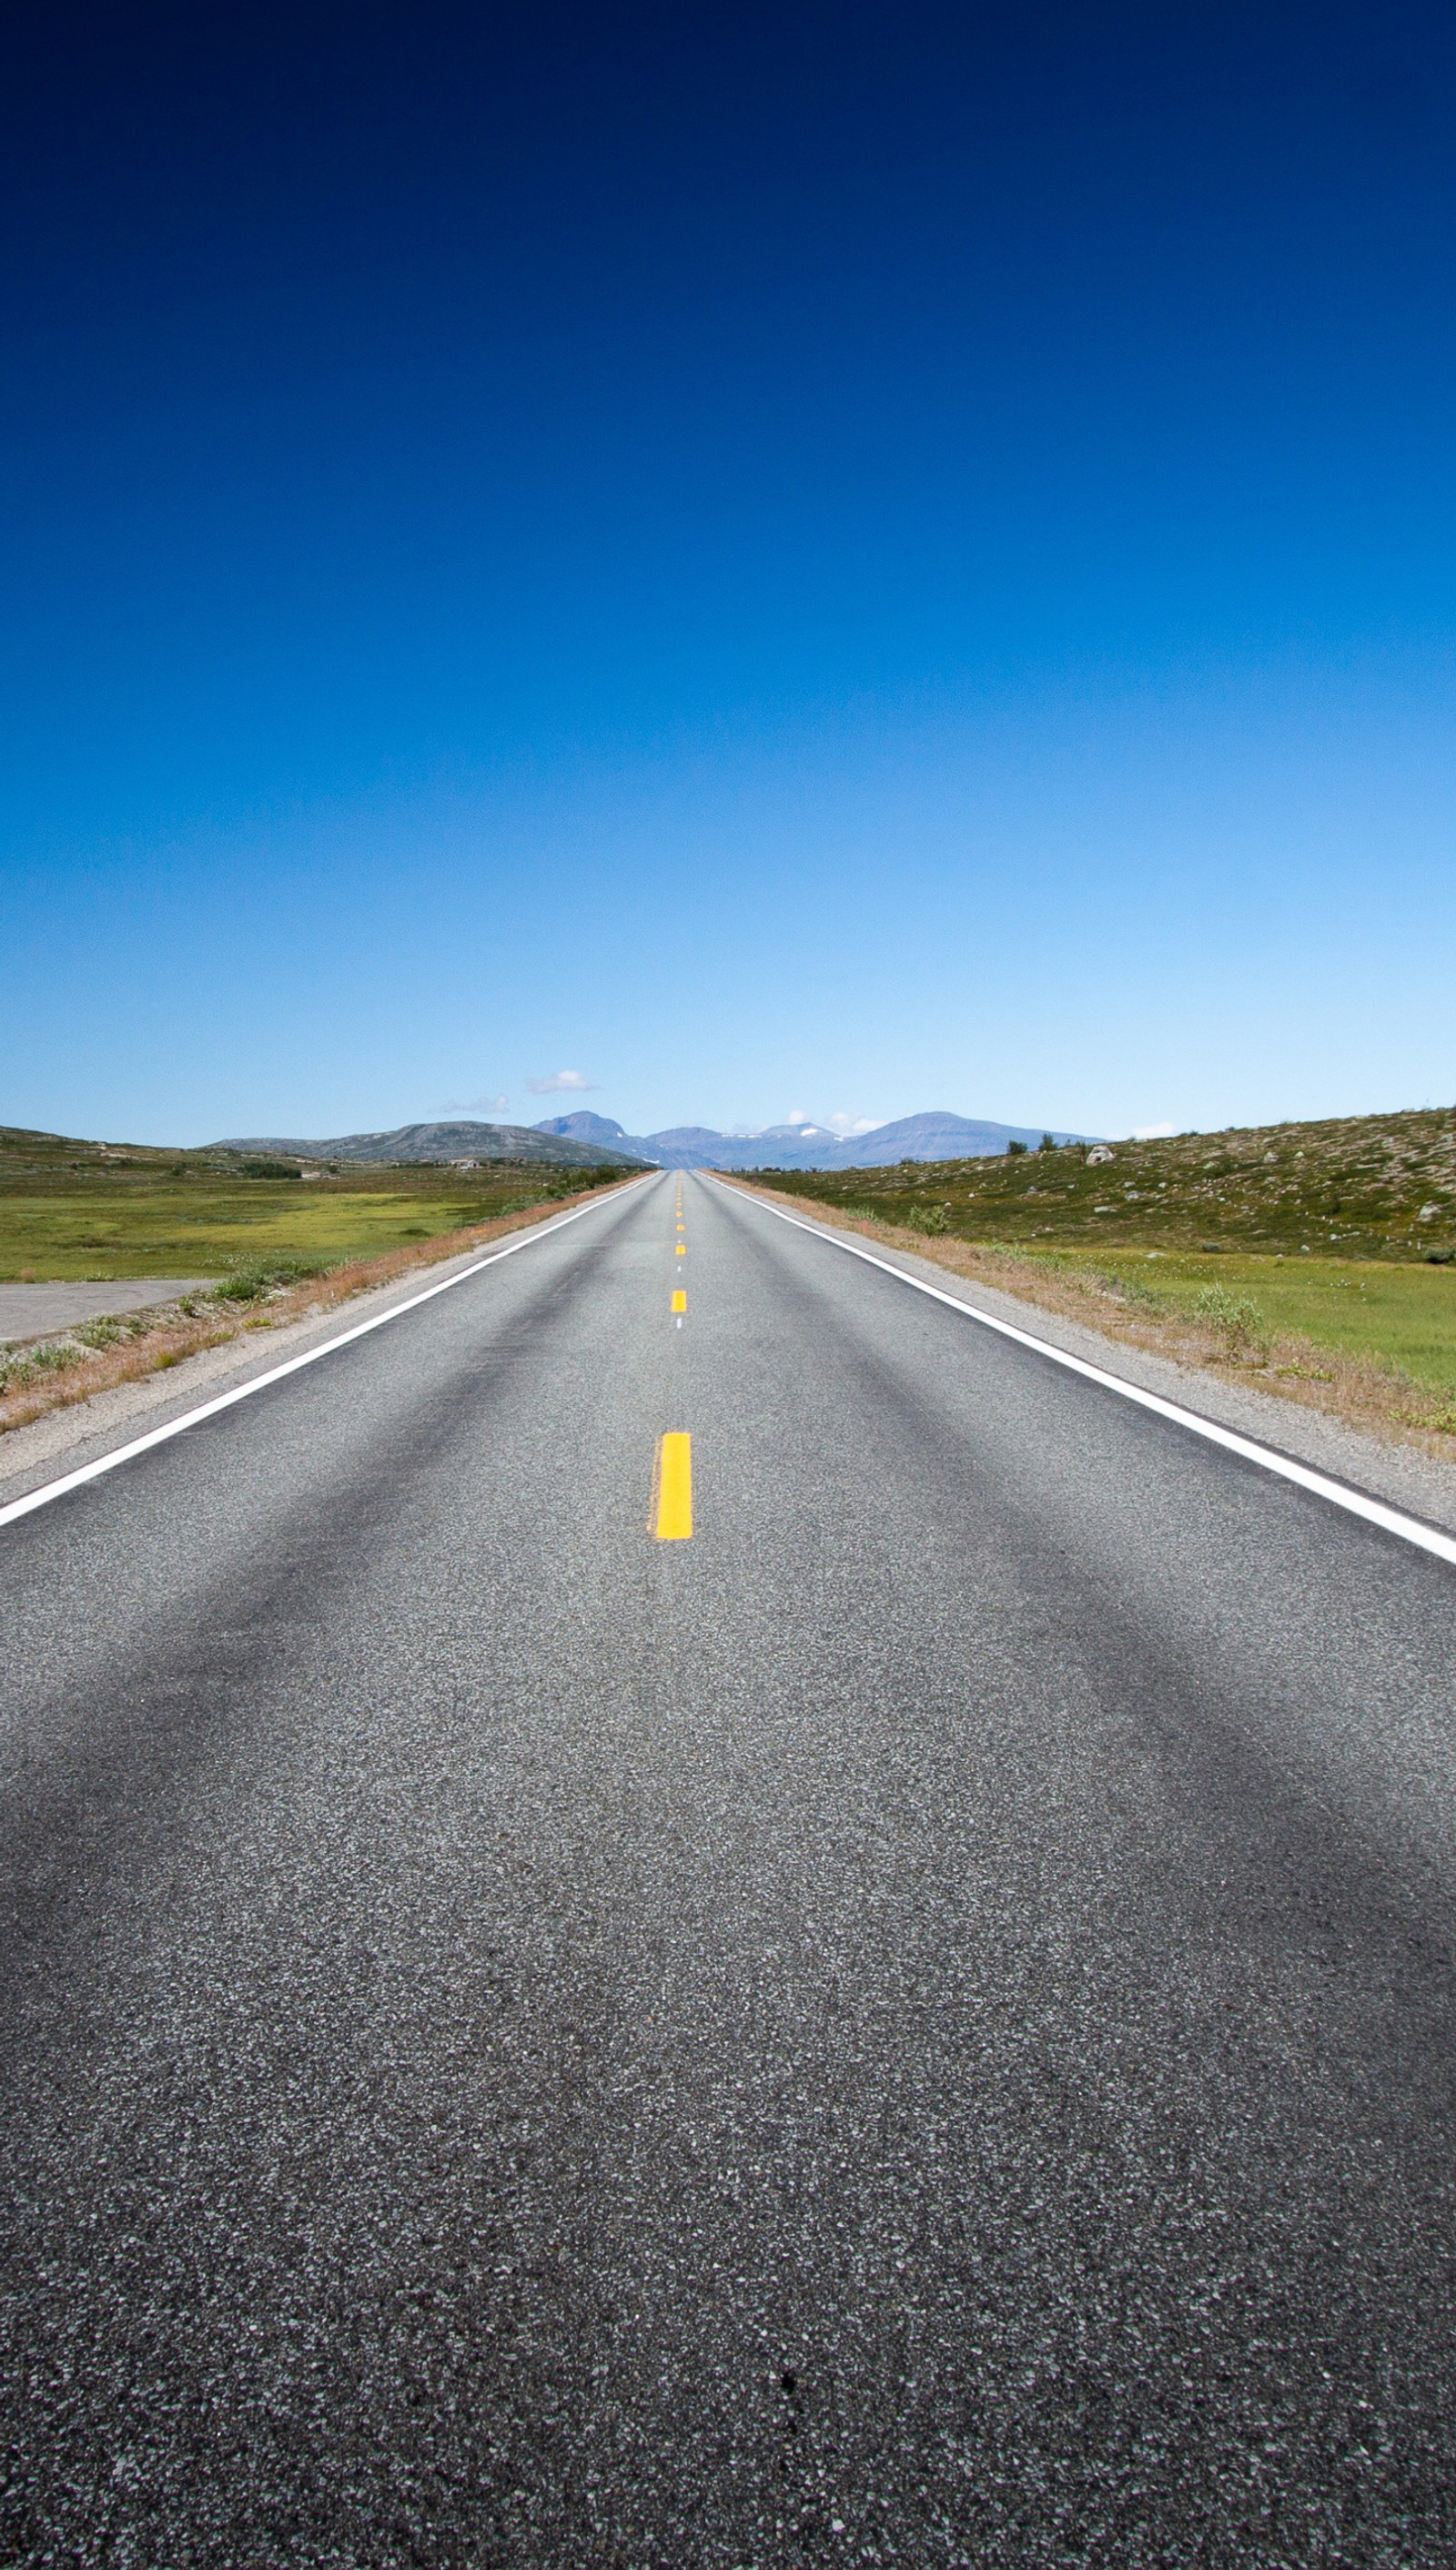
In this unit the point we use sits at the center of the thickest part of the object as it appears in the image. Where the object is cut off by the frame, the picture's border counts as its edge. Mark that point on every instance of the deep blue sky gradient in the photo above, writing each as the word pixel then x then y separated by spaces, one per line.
pixel 833 559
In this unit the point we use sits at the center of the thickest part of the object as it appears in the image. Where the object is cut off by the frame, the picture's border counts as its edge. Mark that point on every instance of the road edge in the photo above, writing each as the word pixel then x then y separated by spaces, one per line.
pixel 40 1494
pixel 1427 1534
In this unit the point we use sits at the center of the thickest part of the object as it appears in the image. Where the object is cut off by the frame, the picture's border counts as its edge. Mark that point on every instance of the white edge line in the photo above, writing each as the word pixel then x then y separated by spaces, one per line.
pixel 1356 1503
pixel 293 1365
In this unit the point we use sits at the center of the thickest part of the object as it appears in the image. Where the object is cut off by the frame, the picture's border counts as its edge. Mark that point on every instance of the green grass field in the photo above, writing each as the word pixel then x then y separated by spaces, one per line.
pixel 73 1210
pixel 1399 1315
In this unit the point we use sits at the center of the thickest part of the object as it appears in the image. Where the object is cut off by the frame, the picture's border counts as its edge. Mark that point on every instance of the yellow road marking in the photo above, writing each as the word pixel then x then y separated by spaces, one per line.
pixel 680 1301
pixel 671 1518
pixel 681 1251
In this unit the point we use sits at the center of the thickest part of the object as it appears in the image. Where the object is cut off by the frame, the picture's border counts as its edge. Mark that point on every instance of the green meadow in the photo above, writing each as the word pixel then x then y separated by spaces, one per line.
pixel 71 1211
pixel 1399 1315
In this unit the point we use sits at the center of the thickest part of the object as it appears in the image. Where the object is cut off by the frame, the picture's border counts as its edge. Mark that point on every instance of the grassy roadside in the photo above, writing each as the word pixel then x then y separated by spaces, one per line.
pixel 92 1212
pixel 1367 1309
pixel 1367 1342
pixel 96 1357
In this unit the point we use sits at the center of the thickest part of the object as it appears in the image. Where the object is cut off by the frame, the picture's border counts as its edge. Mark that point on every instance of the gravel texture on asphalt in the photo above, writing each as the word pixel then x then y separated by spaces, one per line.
pixel 915 2027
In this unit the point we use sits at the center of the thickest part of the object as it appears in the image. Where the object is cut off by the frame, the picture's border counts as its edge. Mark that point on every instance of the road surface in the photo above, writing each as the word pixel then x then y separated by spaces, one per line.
pixel 911 2024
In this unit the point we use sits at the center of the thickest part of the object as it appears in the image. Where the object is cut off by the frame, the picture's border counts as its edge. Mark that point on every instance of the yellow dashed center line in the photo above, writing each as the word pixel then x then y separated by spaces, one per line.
pixel 672 1501
pixel 671 1508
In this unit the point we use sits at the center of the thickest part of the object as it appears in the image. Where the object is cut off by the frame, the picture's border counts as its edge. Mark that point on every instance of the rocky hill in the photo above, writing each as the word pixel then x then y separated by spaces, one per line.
pixel 444 1142
pixel 1362 1186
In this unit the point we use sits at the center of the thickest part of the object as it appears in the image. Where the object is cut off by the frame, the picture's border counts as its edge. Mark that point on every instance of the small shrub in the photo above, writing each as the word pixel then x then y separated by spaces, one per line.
pixel 102 1333
pixel 1130 1289
pixel 1016 1150
pixel 53 1356
pixel 1239 1321
pixel 248 1284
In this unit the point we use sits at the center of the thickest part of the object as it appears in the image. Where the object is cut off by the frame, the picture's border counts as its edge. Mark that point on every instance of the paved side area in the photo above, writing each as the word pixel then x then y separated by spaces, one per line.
pixel 915 2025
pixel 34 1311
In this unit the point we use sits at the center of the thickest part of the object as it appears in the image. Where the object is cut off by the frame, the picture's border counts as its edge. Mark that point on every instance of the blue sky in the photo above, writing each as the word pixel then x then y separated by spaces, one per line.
pixel 847 560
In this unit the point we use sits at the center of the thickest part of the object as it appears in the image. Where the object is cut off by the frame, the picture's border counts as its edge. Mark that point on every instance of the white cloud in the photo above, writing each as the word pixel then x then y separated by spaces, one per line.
pixel 1151 1132
pixel 474 1106
pixel 844 1126
pixel 559 1079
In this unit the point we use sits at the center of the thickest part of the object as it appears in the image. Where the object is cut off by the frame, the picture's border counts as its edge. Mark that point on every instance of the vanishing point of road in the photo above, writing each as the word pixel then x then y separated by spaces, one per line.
pixel 682 1909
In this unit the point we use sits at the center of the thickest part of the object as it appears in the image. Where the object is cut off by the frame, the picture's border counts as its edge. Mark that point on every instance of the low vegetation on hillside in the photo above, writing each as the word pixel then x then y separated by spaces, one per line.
pixel 1371 1186
pixel 73 1210
pixel 1318 1258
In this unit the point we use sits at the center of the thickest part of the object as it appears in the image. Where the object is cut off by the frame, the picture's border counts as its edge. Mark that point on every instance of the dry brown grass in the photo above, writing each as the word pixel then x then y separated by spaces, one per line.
pixel 175 1335
pixel 1380 1399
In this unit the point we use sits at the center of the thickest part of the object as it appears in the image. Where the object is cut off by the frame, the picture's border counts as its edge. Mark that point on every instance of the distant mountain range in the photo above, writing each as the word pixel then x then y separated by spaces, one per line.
pixel 448 1143
pixel 584 1140
pixel 934 1136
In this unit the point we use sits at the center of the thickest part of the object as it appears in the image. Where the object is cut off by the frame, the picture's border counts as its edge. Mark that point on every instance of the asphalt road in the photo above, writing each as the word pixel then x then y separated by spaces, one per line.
pixel 913 2026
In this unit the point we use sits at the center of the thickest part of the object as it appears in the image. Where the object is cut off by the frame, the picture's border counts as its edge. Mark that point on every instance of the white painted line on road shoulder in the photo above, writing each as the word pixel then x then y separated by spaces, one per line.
pixel 1357 1504
pixel 293 1365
